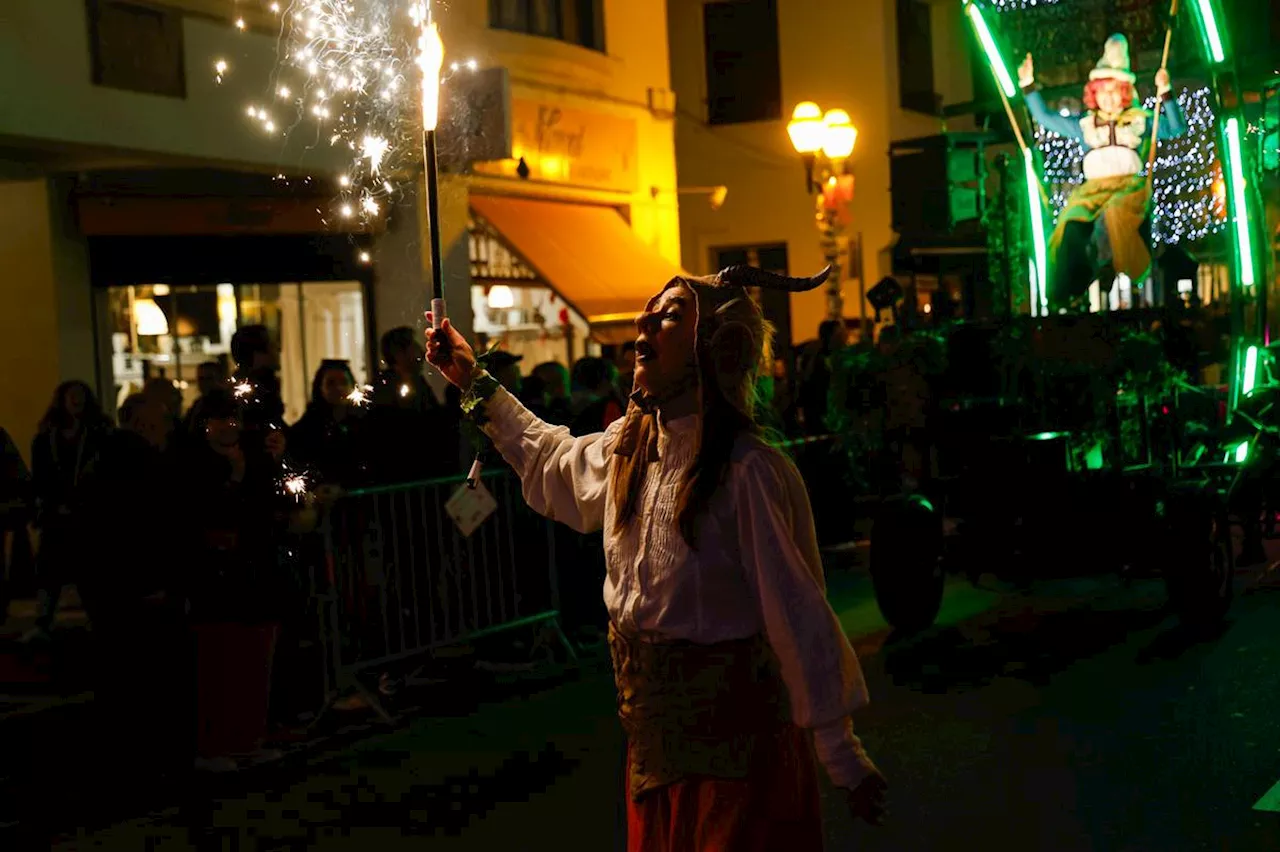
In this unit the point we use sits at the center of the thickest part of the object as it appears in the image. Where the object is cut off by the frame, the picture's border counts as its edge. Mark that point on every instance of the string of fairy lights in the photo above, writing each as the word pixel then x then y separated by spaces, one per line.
pixel 1019 5
pixel 1189 201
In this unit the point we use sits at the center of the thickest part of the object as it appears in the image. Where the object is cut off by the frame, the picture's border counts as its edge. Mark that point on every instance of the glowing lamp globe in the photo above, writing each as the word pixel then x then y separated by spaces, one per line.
pixel 501 297
pixel 149 319
pixel 806 129
pixel 838 134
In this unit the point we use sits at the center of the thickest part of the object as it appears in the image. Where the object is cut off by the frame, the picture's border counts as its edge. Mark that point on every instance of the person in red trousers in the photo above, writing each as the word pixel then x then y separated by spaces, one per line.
pixel 731 668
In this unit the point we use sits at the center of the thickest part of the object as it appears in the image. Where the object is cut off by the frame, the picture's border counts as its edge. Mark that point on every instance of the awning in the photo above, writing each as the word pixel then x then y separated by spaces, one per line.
pixel 588 255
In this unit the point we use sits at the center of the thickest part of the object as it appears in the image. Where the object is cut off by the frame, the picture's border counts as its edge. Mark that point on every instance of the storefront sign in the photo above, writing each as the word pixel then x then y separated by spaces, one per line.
pixel 569 146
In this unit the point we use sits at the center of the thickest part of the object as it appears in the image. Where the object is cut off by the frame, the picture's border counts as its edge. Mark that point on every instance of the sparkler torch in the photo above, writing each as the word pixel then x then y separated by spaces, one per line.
pixel 430 60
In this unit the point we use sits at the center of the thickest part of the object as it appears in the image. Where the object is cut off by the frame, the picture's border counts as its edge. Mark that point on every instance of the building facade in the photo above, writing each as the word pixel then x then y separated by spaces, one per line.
pixel 147 216
pixel 739 68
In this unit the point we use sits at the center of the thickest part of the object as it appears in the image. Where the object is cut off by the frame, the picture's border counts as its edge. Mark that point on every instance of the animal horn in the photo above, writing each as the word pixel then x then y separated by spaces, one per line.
pixel 750 276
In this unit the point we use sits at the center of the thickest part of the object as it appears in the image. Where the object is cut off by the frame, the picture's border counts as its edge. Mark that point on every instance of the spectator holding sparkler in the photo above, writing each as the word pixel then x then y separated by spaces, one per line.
pixel 257 387
pixel 326 439
pixel 238 509
pixel 210 376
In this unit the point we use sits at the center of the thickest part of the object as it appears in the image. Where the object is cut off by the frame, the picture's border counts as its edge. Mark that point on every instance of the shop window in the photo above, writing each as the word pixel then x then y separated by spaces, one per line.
pixel 744 75
pixel 579 22
pixel 166 331
pixel 915 58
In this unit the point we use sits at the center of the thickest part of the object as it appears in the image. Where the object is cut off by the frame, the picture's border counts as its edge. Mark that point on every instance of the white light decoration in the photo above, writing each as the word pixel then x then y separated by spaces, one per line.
pixel 149 319
pixel 501 297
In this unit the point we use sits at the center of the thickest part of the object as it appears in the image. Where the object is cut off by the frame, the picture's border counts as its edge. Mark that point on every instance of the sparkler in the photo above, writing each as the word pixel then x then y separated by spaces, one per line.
pixel 430 60
pixel 346 63
pixel 295 484
pixel 360 396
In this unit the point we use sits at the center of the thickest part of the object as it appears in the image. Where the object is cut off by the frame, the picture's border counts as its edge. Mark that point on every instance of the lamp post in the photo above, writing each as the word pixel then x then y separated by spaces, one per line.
pixel 825 142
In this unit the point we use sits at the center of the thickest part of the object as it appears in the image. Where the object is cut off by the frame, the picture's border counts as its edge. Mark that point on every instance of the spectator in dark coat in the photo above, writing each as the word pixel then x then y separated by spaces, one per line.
pixel 63 456
pixel 409 436
pixel 326 440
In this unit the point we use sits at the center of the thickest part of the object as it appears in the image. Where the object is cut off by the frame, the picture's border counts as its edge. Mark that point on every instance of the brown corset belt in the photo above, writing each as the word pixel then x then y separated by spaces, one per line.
pixel 695 710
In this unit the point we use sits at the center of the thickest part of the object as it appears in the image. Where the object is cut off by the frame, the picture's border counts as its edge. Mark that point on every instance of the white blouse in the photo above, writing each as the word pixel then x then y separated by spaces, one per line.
pixel 757 567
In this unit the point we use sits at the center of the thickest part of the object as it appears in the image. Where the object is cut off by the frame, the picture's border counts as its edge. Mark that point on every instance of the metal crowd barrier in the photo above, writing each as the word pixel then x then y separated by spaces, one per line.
pixel 399 581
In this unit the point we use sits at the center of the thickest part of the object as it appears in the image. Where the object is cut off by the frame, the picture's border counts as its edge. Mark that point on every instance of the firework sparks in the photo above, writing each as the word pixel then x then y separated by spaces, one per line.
pixel 295 484
pixel 243 390
pixel 360 396
pixel 374 149
pixel 345 67
pixel 404 391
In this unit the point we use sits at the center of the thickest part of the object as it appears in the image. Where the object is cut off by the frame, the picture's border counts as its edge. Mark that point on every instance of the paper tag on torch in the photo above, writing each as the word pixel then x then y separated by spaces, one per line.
pixel 470 507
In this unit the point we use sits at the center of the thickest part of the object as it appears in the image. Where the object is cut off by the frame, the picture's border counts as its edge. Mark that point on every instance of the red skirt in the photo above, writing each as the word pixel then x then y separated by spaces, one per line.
pixel 776 807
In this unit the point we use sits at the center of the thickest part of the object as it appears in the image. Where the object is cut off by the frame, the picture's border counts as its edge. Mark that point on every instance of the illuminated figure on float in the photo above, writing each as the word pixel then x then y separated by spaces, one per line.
pixel 1105 228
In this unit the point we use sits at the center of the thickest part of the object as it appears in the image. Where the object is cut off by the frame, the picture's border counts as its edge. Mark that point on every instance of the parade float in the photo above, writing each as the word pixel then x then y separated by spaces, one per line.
pixel 1110 407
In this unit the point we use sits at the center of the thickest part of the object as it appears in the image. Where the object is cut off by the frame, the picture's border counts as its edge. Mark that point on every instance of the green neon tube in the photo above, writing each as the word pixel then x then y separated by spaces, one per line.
pixel 1250 371
pixel 1242 452
pixel 1040 278
pixel 993 53
pixel 1239 212
pixel 1031 284
pixel 1212 35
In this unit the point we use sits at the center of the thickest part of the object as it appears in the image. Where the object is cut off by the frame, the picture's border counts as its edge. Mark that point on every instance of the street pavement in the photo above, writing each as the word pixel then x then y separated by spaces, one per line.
pixel 1073 716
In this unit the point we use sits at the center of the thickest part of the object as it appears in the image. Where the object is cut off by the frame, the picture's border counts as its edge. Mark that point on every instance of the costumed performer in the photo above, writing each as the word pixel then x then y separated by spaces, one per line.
pixel 1105 228
pixel 730 664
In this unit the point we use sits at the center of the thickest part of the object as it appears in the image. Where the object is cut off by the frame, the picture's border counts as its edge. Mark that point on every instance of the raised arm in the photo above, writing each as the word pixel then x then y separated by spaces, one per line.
pixel 784 571
pixel 562 477
pixel 1173 122
pixel 1063 125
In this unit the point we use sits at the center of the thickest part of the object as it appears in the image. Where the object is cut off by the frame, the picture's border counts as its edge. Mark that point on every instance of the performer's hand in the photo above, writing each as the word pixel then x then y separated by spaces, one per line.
pixel 450 353
pixel 866 801
pixel 1162 82
pixel 1026 72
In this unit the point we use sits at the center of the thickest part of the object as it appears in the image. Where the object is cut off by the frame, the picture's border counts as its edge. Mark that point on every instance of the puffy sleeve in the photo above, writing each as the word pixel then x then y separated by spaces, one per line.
pixel 562 477
pixel 784 571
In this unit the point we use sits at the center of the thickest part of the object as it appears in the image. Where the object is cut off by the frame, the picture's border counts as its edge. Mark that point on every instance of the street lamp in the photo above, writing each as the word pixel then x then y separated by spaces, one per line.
pixel 825 142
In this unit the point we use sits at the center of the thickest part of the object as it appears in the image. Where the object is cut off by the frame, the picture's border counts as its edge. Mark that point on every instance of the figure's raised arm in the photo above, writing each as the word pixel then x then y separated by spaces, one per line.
pixel 1172 120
